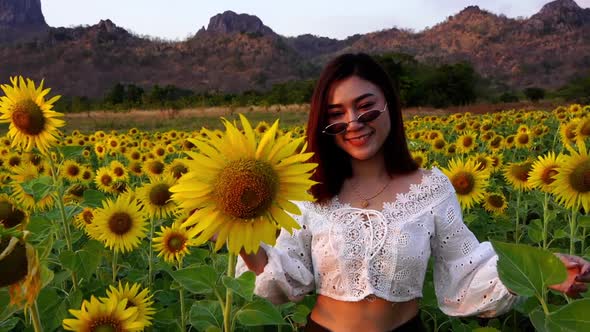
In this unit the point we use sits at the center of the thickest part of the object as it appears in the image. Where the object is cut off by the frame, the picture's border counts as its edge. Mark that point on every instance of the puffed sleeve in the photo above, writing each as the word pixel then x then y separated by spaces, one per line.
pixel 288 275
pixel 465 274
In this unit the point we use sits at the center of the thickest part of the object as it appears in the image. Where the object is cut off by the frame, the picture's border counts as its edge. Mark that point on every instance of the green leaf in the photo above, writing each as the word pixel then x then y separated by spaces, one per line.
pixel 535 231
pixel 8 324
pixel 242 286
pixel 584 221
pixel 561 234
pixel 571 317
pixel 93 198
pixel 485 329
pixel 526 270
pixel 259 312
pixel 198 280
pixel 300 314
pixel 84 261
pixel 38 187
pixel 205 314
pixel 71 152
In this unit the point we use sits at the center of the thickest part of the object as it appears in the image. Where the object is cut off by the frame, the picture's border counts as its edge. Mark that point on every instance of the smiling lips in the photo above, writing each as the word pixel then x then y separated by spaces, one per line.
pixel 359 140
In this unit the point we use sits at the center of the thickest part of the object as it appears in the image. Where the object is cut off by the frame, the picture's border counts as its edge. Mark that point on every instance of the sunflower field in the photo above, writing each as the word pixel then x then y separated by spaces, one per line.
pixel 139 231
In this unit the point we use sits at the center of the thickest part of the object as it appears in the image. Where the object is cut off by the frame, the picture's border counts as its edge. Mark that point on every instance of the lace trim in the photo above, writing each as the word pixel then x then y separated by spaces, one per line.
pixel 432 189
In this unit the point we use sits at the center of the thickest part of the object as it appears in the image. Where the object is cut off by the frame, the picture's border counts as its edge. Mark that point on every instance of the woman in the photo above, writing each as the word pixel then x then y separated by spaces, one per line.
pixel 365 243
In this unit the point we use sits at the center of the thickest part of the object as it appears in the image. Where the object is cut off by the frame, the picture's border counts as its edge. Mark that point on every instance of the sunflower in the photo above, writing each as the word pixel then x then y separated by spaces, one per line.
pixel 484 161
pixel 543 172
pixel 135 168
pixel 14 159
pixel 10 214
pixel 75 193
pixel 118 170
pixel 439 145
pixel 172 242
pixel 572 182
pixel 517 174
pixel 110 315
pixel 71 170
pixel 104 179
pixel 496 143
pixel 159 151
pixel 523 140
pixel 469 183
pixel 466 142
pixel 495 203
pixel 176 168
pixel 86 175
pixel 119 224
pixel 24 279
pixel 243 188
pixel 136 298
pixel 583 129
pixel 420 157
pixel 33 123
pixel 153 167
pixel 84 218
pixel 156 195
pixel 22 174
pixel 567 132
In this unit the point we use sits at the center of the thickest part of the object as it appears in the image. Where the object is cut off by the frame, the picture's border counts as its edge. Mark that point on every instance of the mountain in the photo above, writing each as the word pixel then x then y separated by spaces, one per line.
pixel 237 52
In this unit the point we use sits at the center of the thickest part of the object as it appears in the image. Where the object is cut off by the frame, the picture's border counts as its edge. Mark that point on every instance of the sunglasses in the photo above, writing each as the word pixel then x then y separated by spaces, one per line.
pixel 341 127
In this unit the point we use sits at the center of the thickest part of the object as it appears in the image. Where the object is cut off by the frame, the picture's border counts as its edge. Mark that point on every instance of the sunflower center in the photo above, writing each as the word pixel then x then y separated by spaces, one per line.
pixel 176 243
pixel 523 139
pixel 463 182
pixel 178 170
pixel 28 117
pixel 73 170
pixel 9 215
pixel 106 179
pixel 105 324
pixel 118 171
pixel 245 188
pixel 87 216
pixel 160 194
pixel 521 172
pixel 548 174
pixel 580 177
pixel 156 167
pixel 496 201
pixel 439 144
pixel 585 128
pixel 467 141
pixel 15 262
pixel 120 223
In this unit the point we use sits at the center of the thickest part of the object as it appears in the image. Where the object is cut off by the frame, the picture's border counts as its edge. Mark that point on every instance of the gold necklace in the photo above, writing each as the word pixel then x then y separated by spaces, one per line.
pixel 365 200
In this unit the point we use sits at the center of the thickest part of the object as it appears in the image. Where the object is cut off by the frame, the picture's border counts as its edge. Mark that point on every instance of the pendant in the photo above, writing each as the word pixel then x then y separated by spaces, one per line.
pixel 364 204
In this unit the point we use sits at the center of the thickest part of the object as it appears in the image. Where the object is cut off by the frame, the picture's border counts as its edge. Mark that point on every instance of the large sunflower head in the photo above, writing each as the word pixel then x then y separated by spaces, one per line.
pixel 136 298
pixel 572 181
pixel 98 316
pixel 119 224
pixel 469 183
pixel 24 279
pixel 10 214
pixel 33 123
pixel 242 186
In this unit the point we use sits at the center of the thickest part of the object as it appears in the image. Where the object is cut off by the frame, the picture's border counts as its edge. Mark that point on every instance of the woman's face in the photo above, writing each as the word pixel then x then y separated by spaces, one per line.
pixel 350 98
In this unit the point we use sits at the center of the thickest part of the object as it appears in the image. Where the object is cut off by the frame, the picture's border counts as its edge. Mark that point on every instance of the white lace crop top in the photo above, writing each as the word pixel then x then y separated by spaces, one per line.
pixel 349 253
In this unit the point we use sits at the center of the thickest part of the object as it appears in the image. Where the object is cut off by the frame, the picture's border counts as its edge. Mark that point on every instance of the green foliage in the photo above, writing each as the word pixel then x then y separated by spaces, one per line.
pixel 534 94
pixel 577 90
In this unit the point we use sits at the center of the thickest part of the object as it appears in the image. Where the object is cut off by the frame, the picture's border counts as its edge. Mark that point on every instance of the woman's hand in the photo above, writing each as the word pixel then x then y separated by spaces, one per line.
pixel 578 274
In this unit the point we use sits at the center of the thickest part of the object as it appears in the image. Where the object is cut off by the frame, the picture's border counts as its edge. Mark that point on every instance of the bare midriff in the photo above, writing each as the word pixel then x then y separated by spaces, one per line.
pixel 372 314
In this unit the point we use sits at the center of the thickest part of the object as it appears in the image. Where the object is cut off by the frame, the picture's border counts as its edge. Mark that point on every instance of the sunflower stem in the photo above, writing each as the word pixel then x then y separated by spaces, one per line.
pixel 573 229
pixel 62 211
pixel 182 310
pixel 151 254
pixel 517 222
pixel 545 220
pixel 114 266
pixel 34 311
pixel 231 271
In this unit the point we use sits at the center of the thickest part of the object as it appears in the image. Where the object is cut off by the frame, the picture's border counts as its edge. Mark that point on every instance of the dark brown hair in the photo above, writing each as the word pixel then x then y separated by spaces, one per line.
pixel 334 163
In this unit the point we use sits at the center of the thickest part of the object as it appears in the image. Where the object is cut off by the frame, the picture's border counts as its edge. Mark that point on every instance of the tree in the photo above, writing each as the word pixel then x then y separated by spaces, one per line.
pixel 534 94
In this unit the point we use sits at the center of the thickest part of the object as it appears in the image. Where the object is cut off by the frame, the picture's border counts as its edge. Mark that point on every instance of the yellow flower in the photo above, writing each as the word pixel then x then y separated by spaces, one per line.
pixel 71 170
pixel 136 298
pixel 572 182
pixel 517 174
pixel 119 224
pixel 10 214
pixel 156 195
pixel 543 172
pixel 243 187
pixel 172 242
pixel 420 157
pixel 22 174
pixel 118 170
pixel 495 203
pixel 469 183
pixel 33 123
pixel 111 315
pixel 153 167
pixel 104 179
pixel 523 139
pixel 176 168
pixel 84 218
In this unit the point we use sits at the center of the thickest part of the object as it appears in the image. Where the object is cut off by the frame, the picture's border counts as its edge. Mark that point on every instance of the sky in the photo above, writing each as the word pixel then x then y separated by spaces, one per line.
pixel 180 19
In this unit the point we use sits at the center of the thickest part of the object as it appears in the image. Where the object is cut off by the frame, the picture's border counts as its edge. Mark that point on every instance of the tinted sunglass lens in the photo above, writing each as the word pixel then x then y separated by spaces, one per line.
pixel 369 116
pixel 336 128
